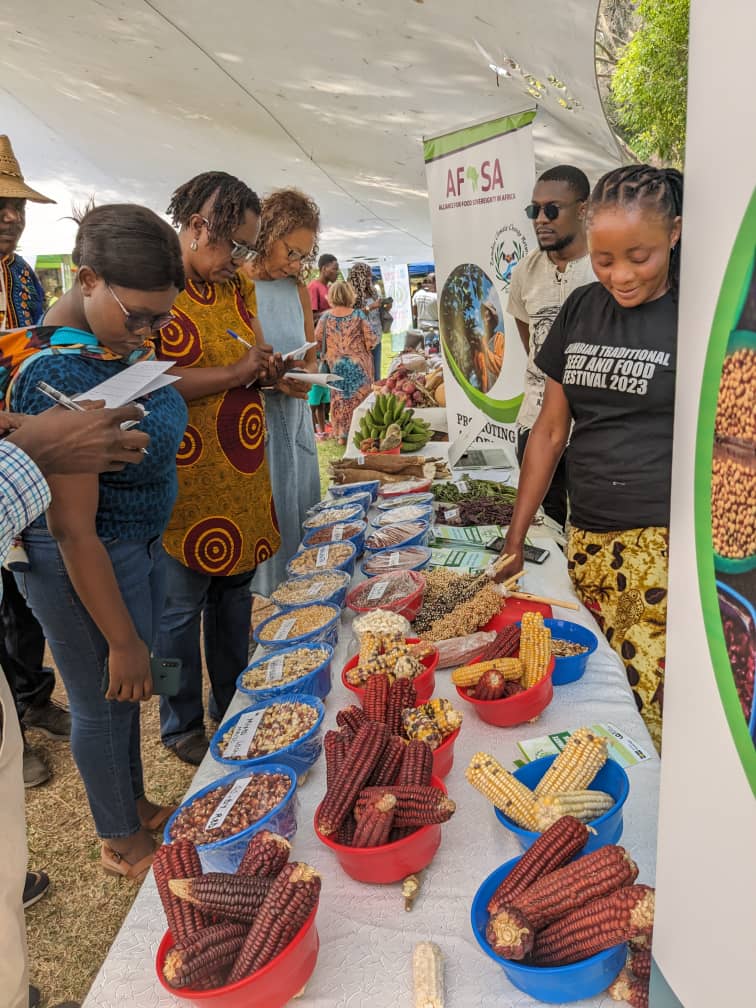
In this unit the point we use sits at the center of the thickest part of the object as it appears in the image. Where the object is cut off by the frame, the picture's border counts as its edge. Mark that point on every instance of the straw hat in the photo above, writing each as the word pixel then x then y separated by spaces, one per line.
pixel 12 185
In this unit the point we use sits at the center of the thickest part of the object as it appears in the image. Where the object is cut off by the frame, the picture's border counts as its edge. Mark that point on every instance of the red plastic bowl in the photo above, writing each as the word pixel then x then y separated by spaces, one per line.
pixel 407 606
pixel 511 612
pixel 425 683
pixel 391 862
pixel 443 755
pixel 273 986
pixel 514 710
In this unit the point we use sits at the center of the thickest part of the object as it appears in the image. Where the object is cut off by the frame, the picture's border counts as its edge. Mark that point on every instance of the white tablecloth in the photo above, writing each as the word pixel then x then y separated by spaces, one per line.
pixel 366 935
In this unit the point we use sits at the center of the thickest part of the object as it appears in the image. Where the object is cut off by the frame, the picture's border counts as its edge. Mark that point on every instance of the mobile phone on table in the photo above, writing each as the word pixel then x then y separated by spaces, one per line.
pixel 535 554
pixel 166 676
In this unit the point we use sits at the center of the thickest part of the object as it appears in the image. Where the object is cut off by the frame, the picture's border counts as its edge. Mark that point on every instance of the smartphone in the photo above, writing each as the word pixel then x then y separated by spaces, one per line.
pixel 534 554
pixel 166 676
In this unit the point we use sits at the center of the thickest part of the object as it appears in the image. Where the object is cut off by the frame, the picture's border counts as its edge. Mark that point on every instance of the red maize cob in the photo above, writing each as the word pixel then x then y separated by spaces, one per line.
pixel 351 717
pixel 287 906
pixel 630 989
pixel 402 694
pixel 490 686
pixel 572 886
pixel 509 934
pixel 512 687
pixel 375 697
pixel 266 854
pixel 598 925
pixel 417 765
pixel 400 834
pixel 232 897
pixel 335 748
pixel 374 827
pixel 387 767
pixel 504 645
pixel 639 962
pixel 415 805
pixel 364 754
pixel 204 956
pixel 345 832
pixel 183 918
pixel 560 842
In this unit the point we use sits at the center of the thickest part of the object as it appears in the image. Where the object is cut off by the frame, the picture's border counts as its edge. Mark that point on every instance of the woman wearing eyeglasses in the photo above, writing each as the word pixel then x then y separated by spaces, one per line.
pixel 96 580
pixel 224 523
pixel 287 242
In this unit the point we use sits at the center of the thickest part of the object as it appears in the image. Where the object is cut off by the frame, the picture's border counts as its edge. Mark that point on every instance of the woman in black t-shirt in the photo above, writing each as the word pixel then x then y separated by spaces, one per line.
pixel 610 365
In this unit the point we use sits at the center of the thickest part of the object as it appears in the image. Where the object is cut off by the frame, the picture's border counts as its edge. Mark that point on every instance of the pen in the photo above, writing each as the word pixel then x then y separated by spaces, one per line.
pixel 239 338
pixel 70 404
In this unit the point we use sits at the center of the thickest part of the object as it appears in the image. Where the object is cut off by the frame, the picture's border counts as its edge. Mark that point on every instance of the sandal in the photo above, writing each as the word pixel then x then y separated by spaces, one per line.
pixel 159 820
pixel 114 863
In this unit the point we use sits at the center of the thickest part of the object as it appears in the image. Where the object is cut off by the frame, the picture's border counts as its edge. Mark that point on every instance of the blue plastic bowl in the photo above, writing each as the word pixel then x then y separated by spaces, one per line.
pixel 358 539
pixel 421 563
pixel 299 755
pixel 315 683
pixel 336 597
pixel 551 984
pixel 346 565
pixel 347 512
pixel 385 517
pixel 737 607
pixel 364 499
pixel 418 538
pixel 610 778
pixel 329 632
pixel 570 669
pixel 347 489
pixel 225 855
pixel 416 498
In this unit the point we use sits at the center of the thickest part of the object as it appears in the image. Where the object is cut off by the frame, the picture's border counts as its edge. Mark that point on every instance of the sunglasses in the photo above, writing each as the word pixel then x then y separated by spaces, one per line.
pixel 551 210
pixel 135 321
pixel 239 251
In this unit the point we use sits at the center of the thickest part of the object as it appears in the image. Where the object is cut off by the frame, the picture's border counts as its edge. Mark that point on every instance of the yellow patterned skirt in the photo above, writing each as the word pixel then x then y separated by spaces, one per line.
pixel 622 578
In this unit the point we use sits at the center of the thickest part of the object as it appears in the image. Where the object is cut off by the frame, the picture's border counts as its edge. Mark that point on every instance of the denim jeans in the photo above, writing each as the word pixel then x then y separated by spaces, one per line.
pixel 224 603
pixel 104 733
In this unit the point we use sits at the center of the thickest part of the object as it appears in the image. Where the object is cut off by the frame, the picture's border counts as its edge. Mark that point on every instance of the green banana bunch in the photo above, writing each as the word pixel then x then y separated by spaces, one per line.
pixel 388 411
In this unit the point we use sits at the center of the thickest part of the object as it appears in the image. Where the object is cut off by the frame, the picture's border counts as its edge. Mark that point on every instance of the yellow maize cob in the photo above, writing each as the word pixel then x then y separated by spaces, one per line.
pixel 576 765
pixel 583 805
pixel 537 656
pixel 468 675
pixel 531 620
pixel 420 726
pixel 370 647
pixel 502 789
pixel 443 713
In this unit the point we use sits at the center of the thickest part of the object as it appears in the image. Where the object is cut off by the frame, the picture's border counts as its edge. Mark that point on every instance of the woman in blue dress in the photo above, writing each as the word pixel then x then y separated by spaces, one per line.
pixel 287 242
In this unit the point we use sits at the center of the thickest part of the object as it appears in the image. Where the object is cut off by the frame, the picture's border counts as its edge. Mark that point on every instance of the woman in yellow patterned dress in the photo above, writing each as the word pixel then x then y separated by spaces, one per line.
pixel 224 523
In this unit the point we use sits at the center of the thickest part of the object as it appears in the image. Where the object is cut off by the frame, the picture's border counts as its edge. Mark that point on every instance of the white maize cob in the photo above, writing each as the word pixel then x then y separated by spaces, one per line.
pixel 583 805
pixel 576 765
pixel 428 975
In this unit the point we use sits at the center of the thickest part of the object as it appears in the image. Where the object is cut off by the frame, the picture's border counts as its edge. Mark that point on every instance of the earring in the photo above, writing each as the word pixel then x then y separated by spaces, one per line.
pixel 193 245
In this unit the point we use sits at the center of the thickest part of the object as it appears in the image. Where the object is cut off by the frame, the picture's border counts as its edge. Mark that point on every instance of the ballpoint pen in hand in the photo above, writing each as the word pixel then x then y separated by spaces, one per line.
pixel 70 404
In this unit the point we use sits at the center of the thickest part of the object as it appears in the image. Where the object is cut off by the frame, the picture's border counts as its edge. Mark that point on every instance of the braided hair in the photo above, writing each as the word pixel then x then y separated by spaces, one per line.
pixel 232 200
pixel 659 190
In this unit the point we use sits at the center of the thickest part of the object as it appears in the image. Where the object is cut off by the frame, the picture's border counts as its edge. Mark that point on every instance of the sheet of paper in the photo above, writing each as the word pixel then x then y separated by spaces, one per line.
pixel 131 383
pixel 315 378
pixel 622 748
pixel 300 353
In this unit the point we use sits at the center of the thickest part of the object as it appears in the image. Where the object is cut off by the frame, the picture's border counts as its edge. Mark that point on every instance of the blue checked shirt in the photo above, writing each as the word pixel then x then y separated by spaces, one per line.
pixel 24 495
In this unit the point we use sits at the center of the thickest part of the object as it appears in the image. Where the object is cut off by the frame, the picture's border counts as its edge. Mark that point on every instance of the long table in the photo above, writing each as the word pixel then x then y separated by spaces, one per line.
pixel 366 935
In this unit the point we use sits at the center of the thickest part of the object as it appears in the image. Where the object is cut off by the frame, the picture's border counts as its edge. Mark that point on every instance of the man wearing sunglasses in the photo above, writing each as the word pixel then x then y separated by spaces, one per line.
pixel 540 286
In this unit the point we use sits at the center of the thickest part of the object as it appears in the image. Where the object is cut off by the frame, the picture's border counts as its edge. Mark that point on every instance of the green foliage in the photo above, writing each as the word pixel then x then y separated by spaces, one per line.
pixel 649 86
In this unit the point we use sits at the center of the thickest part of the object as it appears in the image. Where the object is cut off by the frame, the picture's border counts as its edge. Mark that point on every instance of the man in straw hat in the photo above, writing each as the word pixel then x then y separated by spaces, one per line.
pixel 22 643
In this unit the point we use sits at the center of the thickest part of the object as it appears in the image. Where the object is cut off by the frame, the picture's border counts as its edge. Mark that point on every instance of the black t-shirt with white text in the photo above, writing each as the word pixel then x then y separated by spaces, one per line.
pixel 617 368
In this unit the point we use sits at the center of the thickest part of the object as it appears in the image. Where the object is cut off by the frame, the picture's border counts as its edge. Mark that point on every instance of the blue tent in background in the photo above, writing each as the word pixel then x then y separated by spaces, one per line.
pixel 415 270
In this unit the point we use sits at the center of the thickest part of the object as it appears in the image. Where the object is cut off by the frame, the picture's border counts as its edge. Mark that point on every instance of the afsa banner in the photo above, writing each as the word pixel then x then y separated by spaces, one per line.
pixel 480 178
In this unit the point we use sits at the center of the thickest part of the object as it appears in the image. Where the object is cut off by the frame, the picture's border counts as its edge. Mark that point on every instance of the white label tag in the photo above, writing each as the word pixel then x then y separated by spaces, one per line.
pixel 244 731
pixel 360 459
pixel 394 560
pixel 285 629
pixel 224 807
pixel 451 513
pixel 274 671
pixel 462 486
pixel 322 557
pixel 337 533
pixel 314 589
pixel 378 590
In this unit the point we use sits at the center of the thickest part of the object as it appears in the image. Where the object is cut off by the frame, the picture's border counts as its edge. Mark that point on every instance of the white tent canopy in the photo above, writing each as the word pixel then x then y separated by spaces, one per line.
pixel 126 100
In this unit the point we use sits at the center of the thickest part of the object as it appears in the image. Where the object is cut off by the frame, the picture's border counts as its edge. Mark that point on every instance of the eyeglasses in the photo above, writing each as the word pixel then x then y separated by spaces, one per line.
pixel 294 255
pixel 135 322
pixel 239 251
pixel 551 210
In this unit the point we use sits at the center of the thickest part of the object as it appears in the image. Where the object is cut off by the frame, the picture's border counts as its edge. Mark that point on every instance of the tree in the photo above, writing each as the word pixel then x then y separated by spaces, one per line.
pixel 649 85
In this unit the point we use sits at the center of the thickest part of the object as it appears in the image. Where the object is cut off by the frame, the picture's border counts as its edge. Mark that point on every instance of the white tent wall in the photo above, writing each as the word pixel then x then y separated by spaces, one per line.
pixel 332 96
